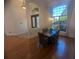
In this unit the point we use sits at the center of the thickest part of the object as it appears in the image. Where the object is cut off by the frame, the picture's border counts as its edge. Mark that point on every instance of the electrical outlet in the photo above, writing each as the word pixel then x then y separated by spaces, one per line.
pixel 21 23
pixel 10 32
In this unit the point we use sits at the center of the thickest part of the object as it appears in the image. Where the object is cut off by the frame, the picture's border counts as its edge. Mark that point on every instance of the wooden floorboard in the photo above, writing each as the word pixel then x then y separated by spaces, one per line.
pixel 24 48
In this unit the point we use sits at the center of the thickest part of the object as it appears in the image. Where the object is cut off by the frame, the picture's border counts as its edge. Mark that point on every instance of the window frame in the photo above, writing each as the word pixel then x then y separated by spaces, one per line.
pixel 59 23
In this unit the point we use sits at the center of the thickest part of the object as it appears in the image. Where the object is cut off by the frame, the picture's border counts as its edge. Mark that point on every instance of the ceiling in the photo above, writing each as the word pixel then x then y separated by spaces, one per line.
pixel 52 3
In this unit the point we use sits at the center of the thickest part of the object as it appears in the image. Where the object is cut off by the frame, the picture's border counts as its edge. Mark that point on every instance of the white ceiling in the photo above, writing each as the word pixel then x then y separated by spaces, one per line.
pixel 56 2
pixel 52 3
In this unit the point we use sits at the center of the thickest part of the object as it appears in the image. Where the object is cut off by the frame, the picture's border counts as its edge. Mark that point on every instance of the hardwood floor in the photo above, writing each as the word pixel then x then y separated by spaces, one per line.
pixel 23 48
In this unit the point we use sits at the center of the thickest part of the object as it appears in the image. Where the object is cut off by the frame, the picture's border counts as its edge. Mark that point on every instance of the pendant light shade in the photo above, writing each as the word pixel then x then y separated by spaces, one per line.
pixel 23 5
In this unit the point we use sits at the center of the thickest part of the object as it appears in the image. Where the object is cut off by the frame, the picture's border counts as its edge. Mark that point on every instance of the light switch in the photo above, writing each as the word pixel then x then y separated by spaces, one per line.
pixel 21 23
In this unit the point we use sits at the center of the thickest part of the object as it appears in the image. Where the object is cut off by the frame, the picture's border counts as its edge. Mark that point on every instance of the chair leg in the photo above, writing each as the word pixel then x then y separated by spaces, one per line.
pixel 41 46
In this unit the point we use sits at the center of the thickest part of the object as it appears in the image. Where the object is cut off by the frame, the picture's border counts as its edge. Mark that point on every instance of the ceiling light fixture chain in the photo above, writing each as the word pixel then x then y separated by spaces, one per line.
pixel 24 5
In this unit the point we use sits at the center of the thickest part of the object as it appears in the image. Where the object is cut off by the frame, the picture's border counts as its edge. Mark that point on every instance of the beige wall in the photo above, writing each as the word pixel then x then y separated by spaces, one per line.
pixel 18 21
pixel 71 28
pixel 15 18
pixel 43 13
pixel 71 21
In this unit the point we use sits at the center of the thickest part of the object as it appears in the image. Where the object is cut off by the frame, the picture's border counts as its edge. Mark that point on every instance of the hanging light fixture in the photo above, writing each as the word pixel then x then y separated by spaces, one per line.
pixel 23 5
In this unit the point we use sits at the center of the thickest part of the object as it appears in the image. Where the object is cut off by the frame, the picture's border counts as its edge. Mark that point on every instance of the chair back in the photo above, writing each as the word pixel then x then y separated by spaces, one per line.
pixel 42 38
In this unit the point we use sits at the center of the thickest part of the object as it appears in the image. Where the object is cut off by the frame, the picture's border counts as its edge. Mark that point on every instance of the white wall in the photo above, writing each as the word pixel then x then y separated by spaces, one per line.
pixel 45 22
pixel 43 13
pixel 72 25
pixel 71 20
pixel 18 21
pixel 15 18
pixel 71 28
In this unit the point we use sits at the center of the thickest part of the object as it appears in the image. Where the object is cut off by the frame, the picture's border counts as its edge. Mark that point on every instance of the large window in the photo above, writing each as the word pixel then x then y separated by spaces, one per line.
pixel 60 17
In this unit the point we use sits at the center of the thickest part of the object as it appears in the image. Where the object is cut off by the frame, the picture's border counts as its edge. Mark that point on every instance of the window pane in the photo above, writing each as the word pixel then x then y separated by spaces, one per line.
pixel 63 18
pixel 33 21
pixel 38 22
pixel 59 10
pixel 63 23
pixel 60 18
